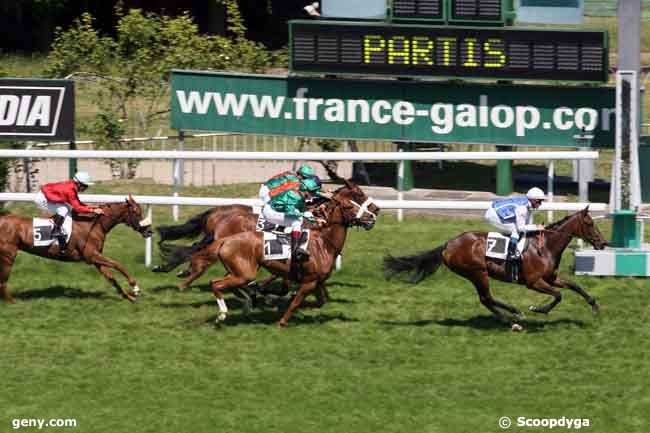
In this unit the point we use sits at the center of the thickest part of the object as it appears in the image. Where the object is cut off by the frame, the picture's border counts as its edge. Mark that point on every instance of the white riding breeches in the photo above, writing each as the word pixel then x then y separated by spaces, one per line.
pixel 57 208
pixel 275 217
pixel 492 217
pixel 263 194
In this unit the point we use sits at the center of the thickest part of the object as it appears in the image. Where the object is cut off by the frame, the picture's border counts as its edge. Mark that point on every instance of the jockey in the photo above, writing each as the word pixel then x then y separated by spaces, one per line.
pixel 514 215
pixel 286 206
pixel 59 197
pixel 304 172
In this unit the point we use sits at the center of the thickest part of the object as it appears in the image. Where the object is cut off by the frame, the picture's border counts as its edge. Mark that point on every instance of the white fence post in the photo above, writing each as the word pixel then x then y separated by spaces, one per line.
pixel 400 187
pixel 550 180
pixel 148 242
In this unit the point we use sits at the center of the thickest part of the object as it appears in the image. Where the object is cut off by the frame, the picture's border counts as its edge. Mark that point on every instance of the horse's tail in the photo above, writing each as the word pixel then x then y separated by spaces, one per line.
pixel 189 229
pixel 174 255
pixel 421 265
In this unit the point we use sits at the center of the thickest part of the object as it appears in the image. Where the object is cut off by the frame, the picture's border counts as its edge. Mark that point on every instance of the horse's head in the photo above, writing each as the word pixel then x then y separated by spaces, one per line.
pixel 132 217
pixel 356 207
pixel 588 231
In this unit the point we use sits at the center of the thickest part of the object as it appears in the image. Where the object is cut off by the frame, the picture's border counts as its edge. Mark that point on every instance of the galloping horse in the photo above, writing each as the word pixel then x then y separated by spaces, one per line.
pixel 242 254
pixel 86 243
pixel 465 255
pixel 216 223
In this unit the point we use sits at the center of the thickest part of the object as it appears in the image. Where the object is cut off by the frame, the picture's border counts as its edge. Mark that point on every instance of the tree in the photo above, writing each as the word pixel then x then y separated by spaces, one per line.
pixel 133 68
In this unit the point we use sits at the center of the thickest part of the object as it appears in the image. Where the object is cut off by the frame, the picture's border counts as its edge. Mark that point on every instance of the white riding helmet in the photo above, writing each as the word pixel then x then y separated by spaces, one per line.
pixel 83 178
pixel 535 194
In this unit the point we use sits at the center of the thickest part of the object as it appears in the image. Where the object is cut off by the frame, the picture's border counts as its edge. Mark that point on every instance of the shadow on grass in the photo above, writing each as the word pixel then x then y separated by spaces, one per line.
pixel 273 317
pixel 62 292
pixel 487 322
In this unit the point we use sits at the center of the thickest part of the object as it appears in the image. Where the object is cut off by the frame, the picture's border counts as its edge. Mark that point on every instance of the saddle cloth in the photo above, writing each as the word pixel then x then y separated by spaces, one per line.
pixel 42 231
pixel 277 239
pixel 277 246
pixel 496 246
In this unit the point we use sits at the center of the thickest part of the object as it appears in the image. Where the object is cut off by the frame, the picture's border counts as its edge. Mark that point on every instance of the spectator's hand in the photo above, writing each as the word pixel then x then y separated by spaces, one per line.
pixel 98 211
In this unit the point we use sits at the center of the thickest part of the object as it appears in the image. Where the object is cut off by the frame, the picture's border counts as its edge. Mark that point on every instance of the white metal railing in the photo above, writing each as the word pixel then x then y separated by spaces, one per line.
pixel 297 156
pixel 213 201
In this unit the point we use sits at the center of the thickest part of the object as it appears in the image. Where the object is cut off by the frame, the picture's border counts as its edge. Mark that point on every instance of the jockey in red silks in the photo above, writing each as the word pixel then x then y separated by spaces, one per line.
pixel 59 197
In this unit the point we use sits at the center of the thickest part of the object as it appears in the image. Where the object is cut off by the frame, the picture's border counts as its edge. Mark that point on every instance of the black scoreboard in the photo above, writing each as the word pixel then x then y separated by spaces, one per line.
pixel 484 11
pixel 363 48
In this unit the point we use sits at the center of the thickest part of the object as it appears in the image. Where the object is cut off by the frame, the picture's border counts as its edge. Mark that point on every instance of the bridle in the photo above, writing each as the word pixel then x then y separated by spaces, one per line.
pixel 363 208
pixel 356 220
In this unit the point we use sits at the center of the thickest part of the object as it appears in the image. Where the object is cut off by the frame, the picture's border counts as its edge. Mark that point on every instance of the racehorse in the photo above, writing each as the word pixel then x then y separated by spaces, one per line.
pixel 465 255
pixel 86 243
pixel 242 254
pixel 216 223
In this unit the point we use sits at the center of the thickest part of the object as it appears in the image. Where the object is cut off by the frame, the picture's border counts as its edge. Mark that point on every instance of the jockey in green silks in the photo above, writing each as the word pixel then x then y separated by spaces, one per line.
pixel 284 197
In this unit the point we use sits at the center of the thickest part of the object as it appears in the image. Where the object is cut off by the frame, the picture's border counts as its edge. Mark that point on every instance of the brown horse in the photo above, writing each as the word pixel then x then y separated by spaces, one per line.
pixel 86 243
pixel 465 255
pixel 242 254
pixel 216 223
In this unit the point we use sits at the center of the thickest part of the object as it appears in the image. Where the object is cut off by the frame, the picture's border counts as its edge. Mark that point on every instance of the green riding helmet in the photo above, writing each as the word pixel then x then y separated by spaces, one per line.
pixel 311 185
pixel 306 171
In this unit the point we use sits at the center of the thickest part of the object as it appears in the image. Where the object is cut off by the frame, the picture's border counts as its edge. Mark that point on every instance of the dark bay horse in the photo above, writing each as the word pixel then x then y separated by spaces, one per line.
pixel 465 255
pixel 242 254
pixel 86 243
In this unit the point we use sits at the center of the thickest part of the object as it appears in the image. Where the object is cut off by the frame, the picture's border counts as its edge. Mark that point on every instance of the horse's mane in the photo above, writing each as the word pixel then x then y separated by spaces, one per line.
pixel 558 223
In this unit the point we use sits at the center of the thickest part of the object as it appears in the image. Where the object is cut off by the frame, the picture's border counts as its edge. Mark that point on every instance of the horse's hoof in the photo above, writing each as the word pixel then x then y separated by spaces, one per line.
pixel 136 290
pixel 282 324
pixel 183 274
pixel 516 327
pixel 519 316
pixel 595 308
pixel 535 309
pixel 221 317
pixel 157 268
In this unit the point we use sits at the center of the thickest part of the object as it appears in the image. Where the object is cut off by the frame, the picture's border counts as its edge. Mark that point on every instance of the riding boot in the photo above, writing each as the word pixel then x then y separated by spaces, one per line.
pixel 57 233
pixel 514 259
pixel 294 270
pixel 301 252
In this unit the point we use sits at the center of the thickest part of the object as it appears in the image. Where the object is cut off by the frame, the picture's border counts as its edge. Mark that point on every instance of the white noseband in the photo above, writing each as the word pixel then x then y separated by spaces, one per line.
pixel 363 208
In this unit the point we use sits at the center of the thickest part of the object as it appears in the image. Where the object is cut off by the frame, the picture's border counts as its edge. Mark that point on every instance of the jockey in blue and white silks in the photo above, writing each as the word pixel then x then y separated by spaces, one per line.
pixel 514 215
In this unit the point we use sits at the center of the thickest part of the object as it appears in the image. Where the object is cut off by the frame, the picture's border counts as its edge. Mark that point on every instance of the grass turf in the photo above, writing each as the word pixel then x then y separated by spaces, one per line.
pixel 381 357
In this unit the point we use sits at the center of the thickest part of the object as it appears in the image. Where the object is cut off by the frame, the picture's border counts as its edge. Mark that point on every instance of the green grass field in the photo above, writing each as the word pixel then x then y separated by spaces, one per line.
pixel 381 357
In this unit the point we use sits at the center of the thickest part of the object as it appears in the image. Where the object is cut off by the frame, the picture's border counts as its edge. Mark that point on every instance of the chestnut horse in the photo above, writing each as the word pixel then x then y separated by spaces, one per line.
pixel 242 254
pixel 216 223
pixel 86 243
pixel 465 255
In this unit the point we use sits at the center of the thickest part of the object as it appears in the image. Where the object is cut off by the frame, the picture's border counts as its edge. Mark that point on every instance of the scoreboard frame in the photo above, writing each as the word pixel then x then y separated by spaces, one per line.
pixel 409 50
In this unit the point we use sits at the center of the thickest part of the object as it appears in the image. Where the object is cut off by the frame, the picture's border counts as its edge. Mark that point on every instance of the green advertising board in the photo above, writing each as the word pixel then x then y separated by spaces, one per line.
pixel 415 111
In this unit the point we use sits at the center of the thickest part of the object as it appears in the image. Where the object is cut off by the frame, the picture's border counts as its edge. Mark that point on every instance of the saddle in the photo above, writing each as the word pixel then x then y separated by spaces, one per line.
pixel 42 231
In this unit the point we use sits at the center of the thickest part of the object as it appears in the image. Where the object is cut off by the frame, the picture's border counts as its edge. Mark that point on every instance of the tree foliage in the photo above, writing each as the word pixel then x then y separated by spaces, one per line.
pixel 134 67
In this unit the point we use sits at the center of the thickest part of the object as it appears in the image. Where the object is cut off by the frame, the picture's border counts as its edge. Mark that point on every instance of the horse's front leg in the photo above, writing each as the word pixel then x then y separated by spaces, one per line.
pixel 573 286
pixel 303 291
pixel 105 271
pixel 98 260
pixel 542 286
